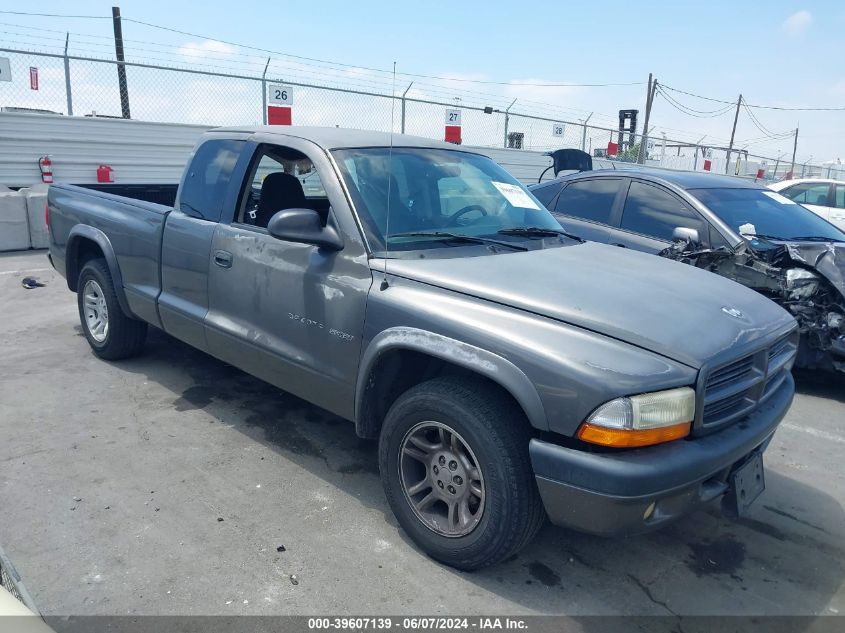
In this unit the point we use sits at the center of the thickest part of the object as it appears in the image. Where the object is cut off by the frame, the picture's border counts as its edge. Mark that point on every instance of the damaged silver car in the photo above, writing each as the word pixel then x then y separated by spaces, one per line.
pixel 730 226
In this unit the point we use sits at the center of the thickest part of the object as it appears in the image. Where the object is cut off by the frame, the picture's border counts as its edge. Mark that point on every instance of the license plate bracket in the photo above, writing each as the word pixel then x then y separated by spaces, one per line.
pixel 745 484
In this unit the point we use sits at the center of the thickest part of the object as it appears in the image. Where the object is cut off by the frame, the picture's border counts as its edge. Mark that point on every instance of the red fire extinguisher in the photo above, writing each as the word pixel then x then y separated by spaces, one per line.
pixel 46 167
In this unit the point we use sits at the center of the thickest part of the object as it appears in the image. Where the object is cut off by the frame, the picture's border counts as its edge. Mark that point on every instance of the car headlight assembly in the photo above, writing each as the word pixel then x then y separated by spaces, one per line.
pixel 642 420
pixel 801 283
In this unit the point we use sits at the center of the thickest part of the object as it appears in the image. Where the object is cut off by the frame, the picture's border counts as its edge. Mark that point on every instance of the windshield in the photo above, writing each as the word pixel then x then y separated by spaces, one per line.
pixel 436 191
pixel 765 213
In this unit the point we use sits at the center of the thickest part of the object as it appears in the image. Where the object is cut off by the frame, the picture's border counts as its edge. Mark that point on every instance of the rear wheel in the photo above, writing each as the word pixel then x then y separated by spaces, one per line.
pixel 111 334
pixel 454 463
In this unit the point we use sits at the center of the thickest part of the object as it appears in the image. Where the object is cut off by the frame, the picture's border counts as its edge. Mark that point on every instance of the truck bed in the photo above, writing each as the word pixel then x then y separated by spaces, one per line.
pixel 157 193
pixel 127 229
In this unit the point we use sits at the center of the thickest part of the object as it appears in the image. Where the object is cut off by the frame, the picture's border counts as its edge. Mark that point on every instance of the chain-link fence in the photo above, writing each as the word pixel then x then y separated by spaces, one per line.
pixel 87 86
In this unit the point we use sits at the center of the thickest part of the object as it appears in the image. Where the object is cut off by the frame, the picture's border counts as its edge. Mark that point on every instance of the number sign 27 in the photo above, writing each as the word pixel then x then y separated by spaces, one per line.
pixel 453 117
pixel 280 95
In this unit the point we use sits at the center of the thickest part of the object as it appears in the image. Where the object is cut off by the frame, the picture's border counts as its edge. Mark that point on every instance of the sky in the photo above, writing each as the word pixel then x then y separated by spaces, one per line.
pixel 774 53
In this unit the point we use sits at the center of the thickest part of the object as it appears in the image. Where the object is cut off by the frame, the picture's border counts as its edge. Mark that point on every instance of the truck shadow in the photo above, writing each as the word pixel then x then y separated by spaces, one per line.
pixel 822 384
pixel 786 558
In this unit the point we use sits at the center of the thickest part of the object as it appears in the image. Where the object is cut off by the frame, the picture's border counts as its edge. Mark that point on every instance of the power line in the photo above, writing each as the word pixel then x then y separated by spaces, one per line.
pixel 324 61
pixel 702 114
pixel 762 107
pixel 57 15
pixel 763 128
pixel 381 70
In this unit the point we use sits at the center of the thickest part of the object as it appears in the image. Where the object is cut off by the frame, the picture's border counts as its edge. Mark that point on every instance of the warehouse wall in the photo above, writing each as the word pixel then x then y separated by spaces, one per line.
pixel 139 152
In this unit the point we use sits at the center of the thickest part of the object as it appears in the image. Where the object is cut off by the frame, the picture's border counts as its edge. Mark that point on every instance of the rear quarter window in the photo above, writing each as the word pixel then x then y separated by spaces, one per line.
pixel 204 186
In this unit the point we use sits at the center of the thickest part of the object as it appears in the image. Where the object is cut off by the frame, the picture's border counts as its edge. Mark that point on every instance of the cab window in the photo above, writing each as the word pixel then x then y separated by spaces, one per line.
pixel 280 178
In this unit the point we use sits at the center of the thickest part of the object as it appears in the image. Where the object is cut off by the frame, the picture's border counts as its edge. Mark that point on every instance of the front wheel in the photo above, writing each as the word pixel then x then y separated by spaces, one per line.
pixel 453 456
pixel 110 333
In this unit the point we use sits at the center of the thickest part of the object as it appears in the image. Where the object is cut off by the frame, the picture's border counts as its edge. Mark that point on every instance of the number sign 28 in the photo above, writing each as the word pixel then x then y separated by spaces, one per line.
pixel 280 95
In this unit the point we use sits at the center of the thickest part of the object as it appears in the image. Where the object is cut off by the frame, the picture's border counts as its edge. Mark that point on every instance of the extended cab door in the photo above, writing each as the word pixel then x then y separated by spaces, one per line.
pixel 186 242
pixel 289 313
pixel 649 216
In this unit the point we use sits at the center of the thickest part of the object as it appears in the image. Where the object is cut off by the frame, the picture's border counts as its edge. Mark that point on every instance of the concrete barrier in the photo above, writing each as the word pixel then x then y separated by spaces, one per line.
pixel 14 227
pixel 36 200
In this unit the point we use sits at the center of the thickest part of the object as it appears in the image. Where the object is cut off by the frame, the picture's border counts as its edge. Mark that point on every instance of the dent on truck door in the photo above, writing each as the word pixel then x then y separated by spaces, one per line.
pixel 186 242
pixel 289 313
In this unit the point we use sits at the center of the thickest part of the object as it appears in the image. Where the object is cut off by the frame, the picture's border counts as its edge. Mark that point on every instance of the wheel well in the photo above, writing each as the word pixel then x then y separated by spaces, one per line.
pixel 82 251
pixel 396 371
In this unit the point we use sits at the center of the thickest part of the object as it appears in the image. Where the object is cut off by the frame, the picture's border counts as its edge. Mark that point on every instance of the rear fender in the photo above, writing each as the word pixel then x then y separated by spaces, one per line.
pixel 78 235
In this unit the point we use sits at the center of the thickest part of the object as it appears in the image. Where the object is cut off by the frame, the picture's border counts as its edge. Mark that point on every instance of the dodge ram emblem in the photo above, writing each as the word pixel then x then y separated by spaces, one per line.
pixel 737 314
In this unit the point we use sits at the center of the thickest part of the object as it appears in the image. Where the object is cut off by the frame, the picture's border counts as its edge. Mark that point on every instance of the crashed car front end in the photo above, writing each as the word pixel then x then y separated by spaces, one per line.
pixel 807 279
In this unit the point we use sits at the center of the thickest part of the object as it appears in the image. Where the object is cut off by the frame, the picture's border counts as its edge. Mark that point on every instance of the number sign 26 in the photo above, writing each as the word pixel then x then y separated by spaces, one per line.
pixel 280 95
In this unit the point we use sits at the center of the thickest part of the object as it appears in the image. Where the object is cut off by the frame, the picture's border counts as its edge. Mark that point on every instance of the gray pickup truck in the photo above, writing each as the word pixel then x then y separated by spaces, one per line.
pixel 509 370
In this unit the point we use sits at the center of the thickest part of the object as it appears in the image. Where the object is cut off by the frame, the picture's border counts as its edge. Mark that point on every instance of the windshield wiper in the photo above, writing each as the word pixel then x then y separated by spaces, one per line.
pixel 539 232
pixel 800 238
pixel 459 237
pixel 816 238
pixel 763 236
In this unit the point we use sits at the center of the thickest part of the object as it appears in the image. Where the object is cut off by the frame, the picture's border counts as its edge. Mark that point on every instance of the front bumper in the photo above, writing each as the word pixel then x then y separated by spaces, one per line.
pixel 611 494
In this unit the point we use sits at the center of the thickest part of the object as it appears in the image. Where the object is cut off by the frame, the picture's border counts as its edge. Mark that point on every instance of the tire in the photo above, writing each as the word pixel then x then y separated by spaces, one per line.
pixel 117 336
pixel 492 435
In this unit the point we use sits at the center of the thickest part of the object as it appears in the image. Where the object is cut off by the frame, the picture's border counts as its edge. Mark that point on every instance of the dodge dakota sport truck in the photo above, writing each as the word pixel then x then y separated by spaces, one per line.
pixel 509 370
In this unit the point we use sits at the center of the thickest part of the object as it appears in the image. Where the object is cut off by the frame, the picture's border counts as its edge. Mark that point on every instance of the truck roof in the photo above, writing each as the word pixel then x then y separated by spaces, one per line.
pixel 340 138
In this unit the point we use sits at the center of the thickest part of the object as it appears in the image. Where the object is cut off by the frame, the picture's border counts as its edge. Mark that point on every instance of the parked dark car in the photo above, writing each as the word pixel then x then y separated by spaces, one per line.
pixel 730 226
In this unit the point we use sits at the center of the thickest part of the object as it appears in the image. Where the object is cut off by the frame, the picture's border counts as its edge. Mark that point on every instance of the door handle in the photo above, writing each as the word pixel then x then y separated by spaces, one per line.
pixel 223 259
pixel 618 244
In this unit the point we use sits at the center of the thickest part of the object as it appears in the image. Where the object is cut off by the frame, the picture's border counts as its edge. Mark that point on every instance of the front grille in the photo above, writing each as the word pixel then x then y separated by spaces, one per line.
pixel 734 389
pixel 730 373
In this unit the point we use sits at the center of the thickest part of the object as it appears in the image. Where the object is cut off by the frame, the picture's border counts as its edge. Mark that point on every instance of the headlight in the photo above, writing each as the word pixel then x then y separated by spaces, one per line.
pixel 801 283
pixel 650 418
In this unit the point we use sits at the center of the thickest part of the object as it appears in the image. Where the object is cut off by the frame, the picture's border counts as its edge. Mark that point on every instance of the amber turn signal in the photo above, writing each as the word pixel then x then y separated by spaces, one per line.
pixel 632 438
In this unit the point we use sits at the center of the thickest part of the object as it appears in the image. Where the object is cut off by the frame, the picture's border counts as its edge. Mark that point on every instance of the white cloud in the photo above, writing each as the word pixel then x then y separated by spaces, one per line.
pixel 198 50
pixel 797 23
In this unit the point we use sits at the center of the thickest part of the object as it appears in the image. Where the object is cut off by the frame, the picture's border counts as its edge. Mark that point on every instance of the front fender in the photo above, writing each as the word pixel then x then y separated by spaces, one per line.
pixel 75 238
pixel 479 361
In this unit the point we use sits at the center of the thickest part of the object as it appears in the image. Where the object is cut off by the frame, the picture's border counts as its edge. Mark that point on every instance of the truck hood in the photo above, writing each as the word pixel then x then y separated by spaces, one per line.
pixel 676 310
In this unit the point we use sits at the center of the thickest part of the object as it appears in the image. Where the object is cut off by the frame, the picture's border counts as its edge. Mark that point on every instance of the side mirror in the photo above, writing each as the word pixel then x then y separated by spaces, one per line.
pixel 304 226
pixel 683 234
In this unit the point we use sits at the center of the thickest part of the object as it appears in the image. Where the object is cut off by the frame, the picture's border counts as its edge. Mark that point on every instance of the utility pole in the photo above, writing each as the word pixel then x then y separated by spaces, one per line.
pixel 121 67
pixel 794 149
pixel 649 100
pixel 733 134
